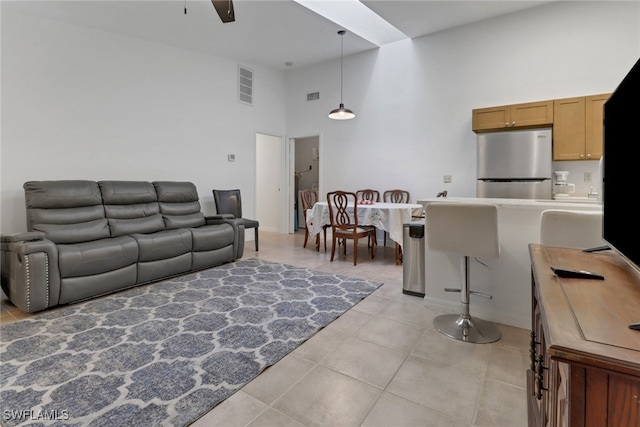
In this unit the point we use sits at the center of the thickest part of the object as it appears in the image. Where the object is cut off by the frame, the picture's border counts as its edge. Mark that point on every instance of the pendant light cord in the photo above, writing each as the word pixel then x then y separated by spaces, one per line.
pixel 341 61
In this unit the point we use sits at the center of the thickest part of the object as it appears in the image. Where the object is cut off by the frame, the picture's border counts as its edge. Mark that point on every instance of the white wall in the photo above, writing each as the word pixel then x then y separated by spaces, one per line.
pixel 79 103
pixel 82 103
pixel 413 99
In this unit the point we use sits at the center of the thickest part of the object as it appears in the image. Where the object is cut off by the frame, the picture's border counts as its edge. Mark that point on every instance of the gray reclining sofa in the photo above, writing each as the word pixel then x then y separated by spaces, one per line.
pixel 88 238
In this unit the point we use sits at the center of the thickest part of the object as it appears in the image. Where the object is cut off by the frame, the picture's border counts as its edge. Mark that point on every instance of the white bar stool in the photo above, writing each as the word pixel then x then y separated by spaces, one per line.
pixel 469 230
pixel 571 229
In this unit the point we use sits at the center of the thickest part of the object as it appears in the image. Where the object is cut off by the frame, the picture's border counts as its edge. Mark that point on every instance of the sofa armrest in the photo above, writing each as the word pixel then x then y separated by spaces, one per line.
pixel 219 216
pixel 29 271
pixel 29 236
pixel 238 231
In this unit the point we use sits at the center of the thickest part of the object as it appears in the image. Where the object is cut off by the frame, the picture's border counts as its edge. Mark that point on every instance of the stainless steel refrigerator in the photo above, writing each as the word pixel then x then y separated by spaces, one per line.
pixel 515 164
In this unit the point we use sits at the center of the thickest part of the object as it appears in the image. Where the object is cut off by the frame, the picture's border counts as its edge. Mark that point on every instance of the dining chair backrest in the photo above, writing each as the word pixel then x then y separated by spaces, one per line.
pixel 341 206
pixel 308 198
pixel 396 196
pixel 368 194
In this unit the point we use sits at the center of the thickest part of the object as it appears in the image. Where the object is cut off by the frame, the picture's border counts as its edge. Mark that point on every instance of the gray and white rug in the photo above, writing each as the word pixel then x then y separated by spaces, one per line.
pixel 164 354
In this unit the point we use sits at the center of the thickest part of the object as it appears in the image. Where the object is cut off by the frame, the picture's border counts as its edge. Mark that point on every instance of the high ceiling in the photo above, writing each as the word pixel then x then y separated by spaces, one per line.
pixel 266 32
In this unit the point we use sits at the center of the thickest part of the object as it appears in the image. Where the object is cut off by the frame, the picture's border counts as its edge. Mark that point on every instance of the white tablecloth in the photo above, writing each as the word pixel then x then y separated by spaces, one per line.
pixel 389 217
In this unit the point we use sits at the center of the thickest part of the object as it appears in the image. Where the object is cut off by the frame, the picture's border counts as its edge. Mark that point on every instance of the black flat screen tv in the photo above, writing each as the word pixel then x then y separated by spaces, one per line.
pixel 621 168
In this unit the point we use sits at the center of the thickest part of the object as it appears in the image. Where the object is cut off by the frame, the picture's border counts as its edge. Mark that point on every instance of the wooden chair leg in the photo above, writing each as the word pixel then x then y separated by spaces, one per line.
pixel 373 247
pixel 306 236
pixel 325 240
pixel 355 250
pixel 333 248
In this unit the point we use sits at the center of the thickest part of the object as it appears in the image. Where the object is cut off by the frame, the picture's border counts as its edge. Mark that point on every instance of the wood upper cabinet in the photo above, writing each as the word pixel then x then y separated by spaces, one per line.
pixel 577 127
pixel 531 114
pixel 594 122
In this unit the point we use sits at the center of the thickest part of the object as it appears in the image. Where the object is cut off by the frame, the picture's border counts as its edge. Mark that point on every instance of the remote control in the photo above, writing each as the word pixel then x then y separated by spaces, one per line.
pixel 576 274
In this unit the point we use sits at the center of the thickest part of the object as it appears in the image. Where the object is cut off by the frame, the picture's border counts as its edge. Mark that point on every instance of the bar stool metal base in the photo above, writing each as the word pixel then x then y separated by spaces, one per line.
pixel 466 328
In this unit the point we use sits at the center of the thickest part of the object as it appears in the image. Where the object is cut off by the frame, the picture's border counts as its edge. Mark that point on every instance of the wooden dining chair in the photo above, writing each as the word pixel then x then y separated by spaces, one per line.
pixel 369 195
pixel 396 196
pixel 308 198
pixel 345 225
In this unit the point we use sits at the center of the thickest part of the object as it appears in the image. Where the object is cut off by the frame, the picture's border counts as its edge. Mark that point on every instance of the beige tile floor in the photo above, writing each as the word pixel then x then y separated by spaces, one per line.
pixel 380 364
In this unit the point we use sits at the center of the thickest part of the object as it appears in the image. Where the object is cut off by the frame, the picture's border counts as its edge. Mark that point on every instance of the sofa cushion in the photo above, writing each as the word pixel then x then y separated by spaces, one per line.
pixel 99 256
pixel 210 237
pixel 176 191
pixel 75 232
pixel 66 211
pixel 61 194
pixel 130 219
pixel 127 192
pixel 131 207
pixel 179 204
pixel 163 244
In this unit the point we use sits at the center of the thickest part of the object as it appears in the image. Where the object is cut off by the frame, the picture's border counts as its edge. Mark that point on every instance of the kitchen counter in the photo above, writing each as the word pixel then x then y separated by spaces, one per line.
pixel 568 203
pixel 508 278
pixel 577 199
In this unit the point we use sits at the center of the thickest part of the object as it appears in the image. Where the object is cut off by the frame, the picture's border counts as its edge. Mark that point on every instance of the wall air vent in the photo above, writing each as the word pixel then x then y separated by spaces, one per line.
pixel 245 85
pixel 313 96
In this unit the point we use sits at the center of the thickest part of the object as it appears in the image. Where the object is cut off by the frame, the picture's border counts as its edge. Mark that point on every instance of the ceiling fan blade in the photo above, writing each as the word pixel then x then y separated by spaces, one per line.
pixel 225 10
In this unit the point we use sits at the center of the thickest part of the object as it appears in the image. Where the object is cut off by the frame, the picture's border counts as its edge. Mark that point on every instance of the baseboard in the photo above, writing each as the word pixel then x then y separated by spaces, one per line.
pixel 269 229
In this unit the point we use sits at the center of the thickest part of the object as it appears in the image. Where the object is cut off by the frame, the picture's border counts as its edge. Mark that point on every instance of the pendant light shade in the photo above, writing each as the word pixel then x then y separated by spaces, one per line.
pixel 341 113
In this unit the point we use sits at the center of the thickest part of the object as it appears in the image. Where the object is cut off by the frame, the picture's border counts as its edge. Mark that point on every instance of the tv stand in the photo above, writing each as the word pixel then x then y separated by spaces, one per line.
pixel 585 360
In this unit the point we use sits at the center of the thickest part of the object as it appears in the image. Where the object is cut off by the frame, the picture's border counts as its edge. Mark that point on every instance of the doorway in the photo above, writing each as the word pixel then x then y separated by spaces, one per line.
pixel 306 173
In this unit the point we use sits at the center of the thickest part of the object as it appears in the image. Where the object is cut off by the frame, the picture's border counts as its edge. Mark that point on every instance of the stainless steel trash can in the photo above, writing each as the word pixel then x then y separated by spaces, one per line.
pixel 413 281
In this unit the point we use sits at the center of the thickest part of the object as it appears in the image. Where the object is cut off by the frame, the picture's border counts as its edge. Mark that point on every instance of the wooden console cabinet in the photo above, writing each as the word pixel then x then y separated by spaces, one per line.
pixel 585 361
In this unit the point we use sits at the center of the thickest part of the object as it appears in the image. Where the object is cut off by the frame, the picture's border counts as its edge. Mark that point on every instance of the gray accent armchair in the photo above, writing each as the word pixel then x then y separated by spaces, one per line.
pixel 230 202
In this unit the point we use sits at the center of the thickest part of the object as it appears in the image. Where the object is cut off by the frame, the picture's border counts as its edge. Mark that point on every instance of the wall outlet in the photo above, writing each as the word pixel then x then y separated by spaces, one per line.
pixel 587 177
pixel 446 179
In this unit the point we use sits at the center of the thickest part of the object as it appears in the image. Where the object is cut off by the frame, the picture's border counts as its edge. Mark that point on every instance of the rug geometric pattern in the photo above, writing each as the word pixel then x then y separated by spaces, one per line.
pixel 168 352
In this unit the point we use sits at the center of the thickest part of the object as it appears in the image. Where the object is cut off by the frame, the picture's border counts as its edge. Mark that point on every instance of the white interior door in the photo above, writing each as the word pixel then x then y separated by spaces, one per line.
pixel 270 179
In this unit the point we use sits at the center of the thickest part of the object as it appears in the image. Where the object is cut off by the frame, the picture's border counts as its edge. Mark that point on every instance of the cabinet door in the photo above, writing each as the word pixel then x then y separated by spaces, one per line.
pixel 532 114
pixel 491 118
pixel 569 129
pixel 594 121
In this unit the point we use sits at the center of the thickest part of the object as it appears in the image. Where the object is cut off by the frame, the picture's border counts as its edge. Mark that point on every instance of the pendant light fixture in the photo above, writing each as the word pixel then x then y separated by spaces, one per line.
pixel 341 113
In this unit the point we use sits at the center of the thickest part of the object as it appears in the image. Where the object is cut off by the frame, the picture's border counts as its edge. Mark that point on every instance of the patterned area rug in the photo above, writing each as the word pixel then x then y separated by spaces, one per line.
pixel 168 352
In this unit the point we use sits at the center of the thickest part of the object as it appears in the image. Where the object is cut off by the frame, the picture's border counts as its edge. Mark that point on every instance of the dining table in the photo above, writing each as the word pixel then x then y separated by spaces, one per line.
pixel 389 217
